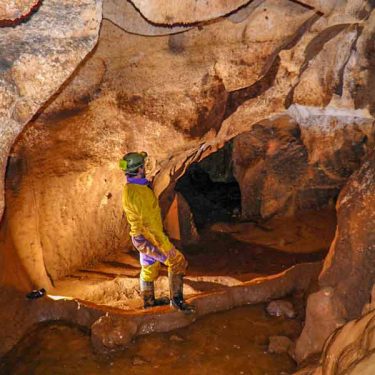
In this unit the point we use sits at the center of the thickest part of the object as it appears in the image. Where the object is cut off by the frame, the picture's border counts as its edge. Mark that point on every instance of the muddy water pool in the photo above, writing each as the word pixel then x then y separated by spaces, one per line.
pixel 232 342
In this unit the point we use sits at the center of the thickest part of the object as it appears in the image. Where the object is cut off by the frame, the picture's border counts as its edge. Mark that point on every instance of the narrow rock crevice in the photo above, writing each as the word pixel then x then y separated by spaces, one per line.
pixel 237 98
pixel 340 85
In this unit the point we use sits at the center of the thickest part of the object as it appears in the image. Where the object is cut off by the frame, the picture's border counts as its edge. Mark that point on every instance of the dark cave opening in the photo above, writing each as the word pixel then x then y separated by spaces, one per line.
pixel 211 189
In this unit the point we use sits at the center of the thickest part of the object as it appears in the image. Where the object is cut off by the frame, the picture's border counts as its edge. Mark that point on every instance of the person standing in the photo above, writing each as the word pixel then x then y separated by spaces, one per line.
pixel 146 230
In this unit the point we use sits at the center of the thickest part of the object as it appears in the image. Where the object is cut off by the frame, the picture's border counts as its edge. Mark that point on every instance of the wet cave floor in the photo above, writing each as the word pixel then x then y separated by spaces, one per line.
pixel 232 342
pixel 226 255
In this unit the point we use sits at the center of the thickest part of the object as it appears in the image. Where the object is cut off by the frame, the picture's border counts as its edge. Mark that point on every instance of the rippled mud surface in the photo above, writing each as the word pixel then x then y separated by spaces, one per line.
pixel 233 342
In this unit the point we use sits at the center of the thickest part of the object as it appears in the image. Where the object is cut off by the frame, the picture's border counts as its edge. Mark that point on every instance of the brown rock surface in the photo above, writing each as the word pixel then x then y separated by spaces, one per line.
pixel 13 10
pixel 319 81
pixel 348 273
pixel 21 315
pixel 349 350
pixel 279 344
pixel 124 14
pixel 179 222
pixel 107 335
pixel 350 265
pixel 192 11
pixel 37 56
pixel 281 308
pixel 305 232
pixel 186 11
pixel 292 164
pixel 323 316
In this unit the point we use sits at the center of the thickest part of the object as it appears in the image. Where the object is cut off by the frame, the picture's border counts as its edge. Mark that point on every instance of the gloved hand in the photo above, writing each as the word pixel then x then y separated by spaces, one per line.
pixel 176 261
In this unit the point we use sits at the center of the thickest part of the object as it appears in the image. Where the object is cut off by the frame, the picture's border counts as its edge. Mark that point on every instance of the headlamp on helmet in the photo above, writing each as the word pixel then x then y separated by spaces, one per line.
pixel 132 161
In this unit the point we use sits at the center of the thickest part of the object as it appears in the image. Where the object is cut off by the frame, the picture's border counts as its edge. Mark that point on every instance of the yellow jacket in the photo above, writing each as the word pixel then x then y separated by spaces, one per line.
pixel 143 213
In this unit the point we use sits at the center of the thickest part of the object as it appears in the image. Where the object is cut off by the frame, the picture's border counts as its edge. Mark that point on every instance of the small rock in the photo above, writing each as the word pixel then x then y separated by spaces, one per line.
pixel 176 338
pixel 138 361
pixel 109 333
pixel 279 344
pixel 281 308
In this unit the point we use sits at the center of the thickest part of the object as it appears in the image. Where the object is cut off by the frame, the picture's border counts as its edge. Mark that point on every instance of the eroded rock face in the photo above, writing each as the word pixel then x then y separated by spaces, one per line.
pixel 348 273
pixel 352 252
pixel 124 14
pixel 279 344
pixel 179 222
pixel 350 350
pixel 30 73
pixel 109 335
pixel 13 10
pixel 36 57
pixel 292 164
pixel 281 308
pixel 323 317
pixel 187 11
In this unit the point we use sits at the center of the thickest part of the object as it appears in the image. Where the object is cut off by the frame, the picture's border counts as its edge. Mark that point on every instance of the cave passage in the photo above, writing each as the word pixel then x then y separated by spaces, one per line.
pixel 227 250
pixel 211 189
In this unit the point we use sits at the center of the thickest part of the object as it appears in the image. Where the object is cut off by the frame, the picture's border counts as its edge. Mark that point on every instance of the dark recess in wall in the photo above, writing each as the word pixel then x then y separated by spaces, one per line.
pixel 211 190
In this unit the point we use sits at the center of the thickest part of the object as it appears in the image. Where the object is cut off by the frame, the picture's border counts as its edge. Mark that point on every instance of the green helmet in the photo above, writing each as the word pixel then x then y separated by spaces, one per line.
pixel 132 161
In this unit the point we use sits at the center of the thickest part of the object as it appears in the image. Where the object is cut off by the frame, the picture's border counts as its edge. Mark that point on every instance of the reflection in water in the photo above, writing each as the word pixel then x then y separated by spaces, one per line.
pixel 233 342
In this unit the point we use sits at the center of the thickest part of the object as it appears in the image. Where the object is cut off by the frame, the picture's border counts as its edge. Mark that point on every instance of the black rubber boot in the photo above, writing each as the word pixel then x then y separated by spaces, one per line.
pixel 176 283
pixel 148 295
pixel 37 293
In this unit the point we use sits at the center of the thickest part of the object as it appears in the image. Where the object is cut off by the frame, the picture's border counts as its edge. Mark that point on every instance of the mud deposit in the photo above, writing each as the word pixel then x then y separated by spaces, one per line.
pixel 233 342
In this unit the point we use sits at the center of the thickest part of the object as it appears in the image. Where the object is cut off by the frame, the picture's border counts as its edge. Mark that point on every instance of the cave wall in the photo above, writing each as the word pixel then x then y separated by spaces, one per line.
pixel 180 97
pixel 348 272
pixel 350 349
pixel 41 43
pixel 287 164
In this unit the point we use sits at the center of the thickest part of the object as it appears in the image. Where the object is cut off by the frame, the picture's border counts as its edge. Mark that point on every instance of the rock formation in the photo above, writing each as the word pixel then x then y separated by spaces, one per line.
pixel 348 272
pixel 125 15
pixel 37 56
pixel 350 349
pixel 291 164
pixel 13 10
